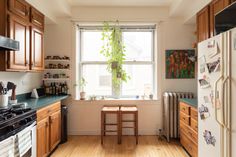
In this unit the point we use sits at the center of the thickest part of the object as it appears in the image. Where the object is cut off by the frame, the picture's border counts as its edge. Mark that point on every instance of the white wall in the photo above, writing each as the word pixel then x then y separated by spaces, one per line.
pixel 84 116
pixel 25 81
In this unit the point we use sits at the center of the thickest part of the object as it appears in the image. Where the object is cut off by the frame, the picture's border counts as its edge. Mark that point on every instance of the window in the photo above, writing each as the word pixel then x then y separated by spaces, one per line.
pixel 139 64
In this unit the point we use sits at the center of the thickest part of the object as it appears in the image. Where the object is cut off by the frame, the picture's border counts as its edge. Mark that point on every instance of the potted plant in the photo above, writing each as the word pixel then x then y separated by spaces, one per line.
pixel 113 49
pixel 83 83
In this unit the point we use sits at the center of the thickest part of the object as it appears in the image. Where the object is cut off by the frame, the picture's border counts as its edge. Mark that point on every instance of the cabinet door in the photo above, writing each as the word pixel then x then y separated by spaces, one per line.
pixel 203 24
pixel 19 30
pixel 37 18
pixel 43 138
pixel 20 8
pixel 37 49
pixel 215 7
pixel 55 129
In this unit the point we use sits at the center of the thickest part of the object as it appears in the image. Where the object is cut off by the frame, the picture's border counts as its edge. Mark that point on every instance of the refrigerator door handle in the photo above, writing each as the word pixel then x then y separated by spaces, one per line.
pixel 216 114
pixel 225 120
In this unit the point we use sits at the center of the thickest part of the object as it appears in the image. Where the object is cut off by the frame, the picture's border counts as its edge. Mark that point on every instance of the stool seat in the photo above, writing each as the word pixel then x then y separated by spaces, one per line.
pixel 131 109
pixel 110 108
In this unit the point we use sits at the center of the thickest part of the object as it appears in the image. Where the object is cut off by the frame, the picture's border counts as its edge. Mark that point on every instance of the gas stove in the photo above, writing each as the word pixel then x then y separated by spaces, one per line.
pixel 14 119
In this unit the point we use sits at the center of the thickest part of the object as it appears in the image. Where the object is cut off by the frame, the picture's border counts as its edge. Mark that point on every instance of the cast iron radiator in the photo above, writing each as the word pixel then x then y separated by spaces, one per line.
pixel 171 113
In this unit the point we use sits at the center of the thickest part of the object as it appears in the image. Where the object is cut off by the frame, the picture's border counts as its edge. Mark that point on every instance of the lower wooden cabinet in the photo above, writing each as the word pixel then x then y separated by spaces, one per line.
pixel 55 131
pixel 189 128
pixel 48 129
pixel 43 137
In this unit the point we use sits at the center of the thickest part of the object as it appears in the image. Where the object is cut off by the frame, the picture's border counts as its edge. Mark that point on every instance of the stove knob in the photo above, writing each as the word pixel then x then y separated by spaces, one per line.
pixel 12 127
pixel 22 122
pixel 30 119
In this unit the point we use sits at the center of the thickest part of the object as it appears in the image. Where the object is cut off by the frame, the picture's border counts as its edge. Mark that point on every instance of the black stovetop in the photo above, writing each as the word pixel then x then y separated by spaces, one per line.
pixel 14 119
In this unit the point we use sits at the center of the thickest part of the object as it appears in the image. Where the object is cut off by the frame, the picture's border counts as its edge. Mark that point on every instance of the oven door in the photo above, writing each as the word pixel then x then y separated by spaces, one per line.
pixel 7 147
pixel 25 142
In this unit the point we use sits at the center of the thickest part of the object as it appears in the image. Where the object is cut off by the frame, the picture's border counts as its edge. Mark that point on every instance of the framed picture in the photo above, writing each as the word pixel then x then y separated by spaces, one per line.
pixel 178 64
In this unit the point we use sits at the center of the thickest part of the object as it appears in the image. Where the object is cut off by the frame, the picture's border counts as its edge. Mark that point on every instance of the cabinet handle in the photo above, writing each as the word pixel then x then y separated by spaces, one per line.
pixel 184 109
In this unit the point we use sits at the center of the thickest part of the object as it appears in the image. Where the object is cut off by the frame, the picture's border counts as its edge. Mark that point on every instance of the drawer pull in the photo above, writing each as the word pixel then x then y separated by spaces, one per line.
pixel 183 108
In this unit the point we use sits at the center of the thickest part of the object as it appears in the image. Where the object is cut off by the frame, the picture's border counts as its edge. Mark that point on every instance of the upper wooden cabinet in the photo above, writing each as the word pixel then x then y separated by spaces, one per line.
pixel 205 18
pixel 20 8
pixel 203 24
pixel 37 18
pixel 22 22
pixel 37 52
pixel 19 30
pixel 215 7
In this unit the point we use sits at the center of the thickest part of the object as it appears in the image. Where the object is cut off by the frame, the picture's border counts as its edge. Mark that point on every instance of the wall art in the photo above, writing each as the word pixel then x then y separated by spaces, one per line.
pixel 178 64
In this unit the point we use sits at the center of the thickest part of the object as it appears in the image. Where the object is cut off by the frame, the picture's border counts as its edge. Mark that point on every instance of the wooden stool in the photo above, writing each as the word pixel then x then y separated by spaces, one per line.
pixel 110 110
pixel 129 110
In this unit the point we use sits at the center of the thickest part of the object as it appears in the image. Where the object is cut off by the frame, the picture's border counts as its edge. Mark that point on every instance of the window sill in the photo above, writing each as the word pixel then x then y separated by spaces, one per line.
pixel 120 101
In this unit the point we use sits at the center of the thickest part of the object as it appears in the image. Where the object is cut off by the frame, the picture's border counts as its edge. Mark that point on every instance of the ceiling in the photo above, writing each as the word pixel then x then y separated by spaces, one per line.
pixel 120 2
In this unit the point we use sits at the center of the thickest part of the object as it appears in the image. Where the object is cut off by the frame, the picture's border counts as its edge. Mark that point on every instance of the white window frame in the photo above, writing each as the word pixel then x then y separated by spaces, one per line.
pixel 138 28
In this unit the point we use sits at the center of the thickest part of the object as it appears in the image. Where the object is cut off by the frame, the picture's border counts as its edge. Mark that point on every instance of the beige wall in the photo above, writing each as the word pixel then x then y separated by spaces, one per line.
pixel 84 117
pixel 25 81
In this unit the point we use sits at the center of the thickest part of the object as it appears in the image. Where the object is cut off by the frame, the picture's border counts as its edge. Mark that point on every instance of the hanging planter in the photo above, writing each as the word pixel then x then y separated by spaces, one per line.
pixel 113 49
pixel 114 65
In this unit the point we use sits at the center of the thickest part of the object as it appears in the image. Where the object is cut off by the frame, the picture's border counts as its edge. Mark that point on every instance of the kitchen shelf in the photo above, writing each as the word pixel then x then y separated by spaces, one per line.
pixel 57 60
pixel 55 79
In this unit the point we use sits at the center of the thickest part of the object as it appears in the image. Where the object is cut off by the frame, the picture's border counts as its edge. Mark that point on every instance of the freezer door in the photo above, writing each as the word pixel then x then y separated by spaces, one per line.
pixel 209 92
pixel 233 92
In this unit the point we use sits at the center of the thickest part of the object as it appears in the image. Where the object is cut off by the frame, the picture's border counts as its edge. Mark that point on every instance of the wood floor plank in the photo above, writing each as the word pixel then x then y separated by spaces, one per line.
pixel 90 146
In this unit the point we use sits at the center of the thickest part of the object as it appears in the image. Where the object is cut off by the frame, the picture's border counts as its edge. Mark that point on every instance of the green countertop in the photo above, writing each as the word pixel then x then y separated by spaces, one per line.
pixel 191 102
pixel 43 101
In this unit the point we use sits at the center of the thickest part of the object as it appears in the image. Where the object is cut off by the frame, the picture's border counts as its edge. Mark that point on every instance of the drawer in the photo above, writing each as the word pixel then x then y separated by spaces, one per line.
pixel 184 118
pixel 55 107
pixel 194 124
pixel 191 147
pixel 184 108
pixel 188 131
pixel 46 111
pixel 194 113
pixel 37 18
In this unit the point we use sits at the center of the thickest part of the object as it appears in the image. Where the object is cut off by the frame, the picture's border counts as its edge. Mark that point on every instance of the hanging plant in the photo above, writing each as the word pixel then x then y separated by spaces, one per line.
pixel 113 49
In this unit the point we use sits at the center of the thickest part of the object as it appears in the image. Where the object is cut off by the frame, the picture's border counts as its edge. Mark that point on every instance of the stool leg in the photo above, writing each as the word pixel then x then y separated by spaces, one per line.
pixel 102 126
pixel 136 127
pixel 120 127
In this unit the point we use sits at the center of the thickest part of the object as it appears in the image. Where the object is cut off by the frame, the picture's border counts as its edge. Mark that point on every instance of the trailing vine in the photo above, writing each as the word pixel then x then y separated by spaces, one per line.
pixel 113 49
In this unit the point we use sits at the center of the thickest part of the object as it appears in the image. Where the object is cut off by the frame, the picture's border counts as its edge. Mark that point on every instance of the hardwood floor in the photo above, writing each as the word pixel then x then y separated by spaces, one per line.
pixel 89 146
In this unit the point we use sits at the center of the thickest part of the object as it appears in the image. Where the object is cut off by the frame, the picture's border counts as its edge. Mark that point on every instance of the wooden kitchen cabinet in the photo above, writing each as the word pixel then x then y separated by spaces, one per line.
pixel 203 24
pixel 37 18
pixel 215 7
pixel 189 128
pixel 43 137
pixel 22 22
pixel 48 129
pixel 55 131
pixel 19 30
pixel 37 51
pixel 19 8
pixel 206 17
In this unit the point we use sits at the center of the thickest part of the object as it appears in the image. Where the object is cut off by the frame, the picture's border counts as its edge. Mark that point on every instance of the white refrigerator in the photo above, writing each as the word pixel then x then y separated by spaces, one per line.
pixel 217 96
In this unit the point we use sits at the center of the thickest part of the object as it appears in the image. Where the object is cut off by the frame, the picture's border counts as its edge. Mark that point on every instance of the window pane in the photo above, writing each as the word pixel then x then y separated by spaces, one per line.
pixel 98 80
pixel 138 46
pixel 141 80
pixel 91 45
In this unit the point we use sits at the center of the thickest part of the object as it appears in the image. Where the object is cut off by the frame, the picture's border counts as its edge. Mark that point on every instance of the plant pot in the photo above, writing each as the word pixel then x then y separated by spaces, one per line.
pixel 114 65
pixel 118 75
pixel 82 95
